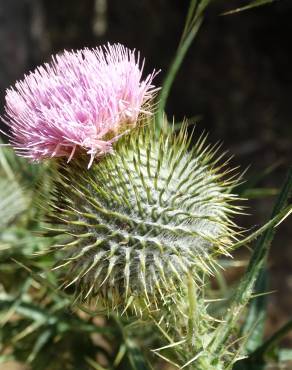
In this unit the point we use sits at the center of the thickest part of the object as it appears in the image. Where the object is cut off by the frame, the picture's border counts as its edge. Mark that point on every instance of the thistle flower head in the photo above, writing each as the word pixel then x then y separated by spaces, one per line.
pixel 81 100
pixel 140 222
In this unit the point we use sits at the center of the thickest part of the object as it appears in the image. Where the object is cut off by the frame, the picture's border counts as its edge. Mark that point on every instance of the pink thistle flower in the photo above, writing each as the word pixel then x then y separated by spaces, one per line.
pixel 83 100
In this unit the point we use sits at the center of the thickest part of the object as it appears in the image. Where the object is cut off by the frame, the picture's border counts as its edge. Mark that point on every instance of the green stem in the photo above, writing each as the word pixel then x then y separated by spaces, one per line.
pixel 190 16
pixel 192 26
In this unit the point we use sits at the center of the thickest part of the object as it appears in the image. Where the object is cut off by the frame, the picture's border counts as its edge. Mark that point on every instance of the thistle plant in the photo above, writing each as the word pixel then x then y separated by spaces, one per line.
pixel 145 224
pixel 138 217
pixel 141 221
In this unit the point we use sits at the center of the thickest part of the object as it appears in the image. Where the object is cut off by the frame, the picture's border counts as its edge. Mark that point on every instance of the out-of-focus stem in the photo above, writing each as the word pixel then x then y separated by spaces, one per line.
pixel 191 28
pixel 171 74
pixel 192 297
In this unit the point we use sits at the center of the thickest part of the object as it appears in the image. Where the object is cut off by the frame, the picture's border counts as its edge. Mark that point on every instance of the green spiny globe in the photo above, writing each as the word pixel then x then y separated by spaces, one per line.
pixel 142 220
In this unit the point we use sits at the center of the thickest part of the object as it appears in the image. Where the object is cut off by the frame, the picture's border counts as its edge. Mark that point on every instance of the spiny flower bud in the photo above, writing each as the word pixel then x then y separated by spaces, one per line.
pixel 81 101
pixel 140 221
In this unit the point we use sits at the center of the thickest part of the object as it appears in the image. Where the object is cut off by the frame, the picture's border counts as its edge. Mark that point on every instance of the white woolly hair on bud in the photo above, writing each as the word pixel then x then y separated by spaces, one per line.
pixel 143 220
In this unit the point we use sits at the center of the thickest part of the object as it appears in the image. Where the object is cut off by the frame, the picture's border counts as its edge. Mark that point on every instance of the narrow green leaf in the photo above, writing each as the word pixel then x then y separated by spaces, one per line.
pixel 252 4
pixel 190 16
pixel 41 341
pixel 256 316
pixel 120 355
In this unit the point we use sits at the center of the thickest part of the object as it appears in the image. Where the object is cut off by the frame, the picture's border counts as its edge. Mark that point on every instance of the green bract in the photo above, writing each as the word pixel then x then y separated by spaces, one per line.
pixel 142 220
